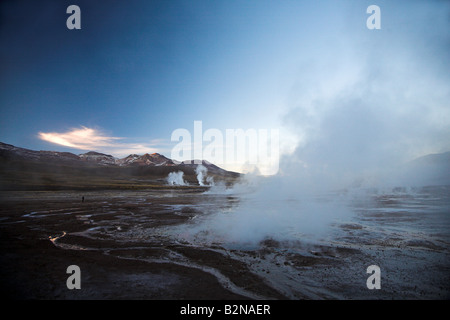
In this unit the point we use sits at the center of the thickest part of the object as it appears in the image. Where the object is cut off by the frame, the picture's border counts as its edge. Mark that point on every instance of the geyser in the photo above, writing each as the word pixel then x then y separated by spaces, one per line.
pixel 176 179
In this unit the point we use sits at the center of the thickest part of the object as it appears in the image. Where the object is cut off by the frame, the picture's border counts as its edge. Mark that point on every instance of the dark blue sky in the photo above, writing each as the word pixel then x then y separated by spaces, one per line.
pixel 128 58
pixel 138 70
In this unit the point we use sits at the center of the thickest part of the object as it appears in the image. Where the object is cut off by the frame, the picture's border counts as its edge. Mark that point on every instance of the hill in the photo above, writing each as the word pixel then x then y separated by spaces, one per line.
pixel 431 169
pixel 24 169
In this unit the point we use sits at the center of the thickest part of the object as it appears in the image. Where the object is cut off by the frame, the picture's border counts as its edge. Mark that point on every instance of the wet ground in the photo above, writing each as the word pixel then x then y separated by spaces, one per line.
pixel 131 245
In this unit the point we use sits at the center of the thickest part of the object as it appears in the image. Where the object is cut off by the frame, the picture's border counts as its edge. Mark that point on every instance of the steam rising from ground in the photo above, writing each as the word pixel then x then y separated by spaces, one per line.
pixel 202 177
pixel 176 179
pixel 359 115
pixel 357 128
pixel 270 208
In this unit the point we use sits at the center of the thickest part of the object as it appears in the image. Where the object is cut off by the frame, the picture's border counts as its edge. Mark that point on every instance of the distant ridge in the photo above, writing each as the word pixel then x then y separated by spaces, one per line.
pixel 8 151
pixel 433 159
pixel 431 169
pixel 25 169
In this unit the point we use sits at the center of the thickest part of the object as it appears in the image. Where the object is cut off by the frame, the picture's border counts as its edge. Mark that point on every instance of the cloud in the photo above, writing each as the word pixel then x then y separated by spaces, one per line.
pixel 95 140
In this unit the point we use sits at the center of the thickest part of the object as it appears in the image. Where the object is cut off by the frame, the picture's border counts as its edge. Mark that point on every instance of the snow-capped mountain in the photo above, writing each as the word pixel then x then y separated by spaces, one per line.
pixel 24 169
pixel 97 157
pixel 11 152
pixel 154 159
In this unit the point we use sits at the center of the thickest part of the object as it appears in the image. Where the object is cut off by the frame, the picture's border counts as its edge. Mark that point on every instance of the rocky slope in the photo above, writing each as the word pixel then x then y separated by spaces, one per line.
pixel 24 169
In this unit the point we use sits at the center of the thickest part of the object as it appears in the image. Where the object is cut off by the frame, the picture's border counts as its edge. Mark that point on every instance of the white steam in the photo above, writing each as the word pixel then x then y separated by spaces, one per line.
pixel 277 208
pixel 176 179
pixel 359 114
pixel 202 177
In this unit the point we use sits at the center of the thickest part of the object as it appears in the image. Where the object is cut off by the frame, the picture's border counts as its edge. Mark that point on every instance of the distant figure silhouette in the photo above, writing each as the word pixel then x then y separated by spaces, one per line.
pixel 82 199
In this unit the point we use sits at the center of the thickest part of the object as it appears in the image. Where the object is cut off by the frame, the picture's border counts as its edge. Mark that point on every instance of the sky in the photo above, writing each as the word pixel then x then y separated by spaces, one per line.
pixel 338 93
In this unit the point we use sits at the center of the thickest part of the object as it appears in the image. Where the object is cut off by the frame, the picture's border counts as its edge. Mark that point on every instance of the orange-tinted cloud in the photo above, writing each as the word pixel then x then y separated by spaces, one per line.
pixel 94 140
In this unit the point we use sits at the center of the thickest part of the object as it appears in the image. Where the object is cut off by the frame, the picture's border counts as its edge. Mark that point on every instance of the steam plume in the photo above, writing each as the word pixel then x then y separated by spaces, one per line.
pixel 176 179
pixel 202 177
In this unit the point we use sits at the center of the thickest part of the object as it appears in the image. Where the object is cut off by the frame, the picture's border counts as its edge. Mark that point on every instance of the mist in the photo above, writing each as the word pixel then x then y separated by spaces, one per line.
pixel 359 115
pixel 202 176
pixel 176 178
pixel 201 172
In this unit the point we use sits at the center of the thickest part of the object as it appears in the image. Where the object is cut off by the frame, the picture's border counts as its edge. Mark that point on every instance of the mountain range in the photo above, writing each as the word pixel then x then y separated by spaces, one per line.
pixel 22 168
pixel 11 152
